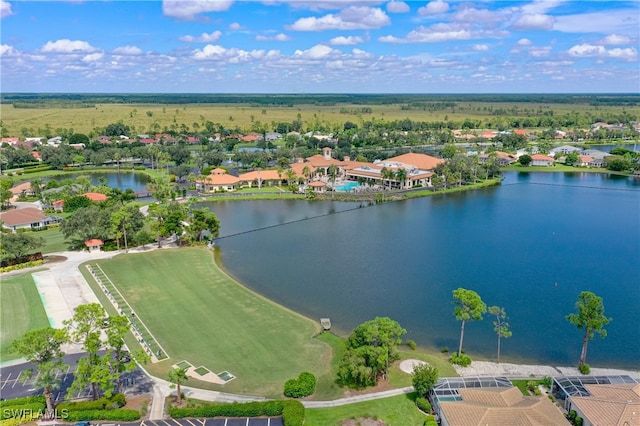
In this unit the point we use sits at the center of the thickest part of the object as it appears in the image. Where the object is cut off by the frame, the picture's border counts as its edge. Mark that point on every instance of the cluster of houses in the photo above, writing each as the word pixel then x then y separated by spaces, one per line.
pixel 322 171
pixel 487 400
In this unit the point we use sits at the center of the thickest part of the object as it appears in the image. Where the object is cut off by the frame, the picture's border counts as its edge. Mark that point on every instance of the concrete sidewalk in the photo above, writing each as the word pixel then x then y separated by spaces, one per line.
pixel 357 398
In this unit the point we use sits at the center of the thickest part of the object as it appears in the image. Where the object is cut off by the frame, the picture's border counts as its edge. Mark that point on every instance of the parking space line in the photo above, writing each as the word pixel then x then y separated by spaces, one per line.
pixel 6 381
pixel 18 378
pixel 65 374
pixel 247 424
pixel 177 422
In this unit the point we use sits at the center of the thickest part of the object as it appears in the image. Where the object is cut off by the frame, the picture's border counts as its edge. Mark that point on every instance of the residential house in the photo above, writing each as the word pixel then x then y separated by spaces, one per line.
pixel 259 178
pixel 218 181
pixel 600 400
pixel 488 135
pixel 23 189
pixel 55 140
pixel 541 160
pixel 193 140
pixel 95 196
pixel 479 401
pixel 10 141
pixel 563 150
pixel 272 136
pixel 504 158
pixel 251 137
pixel 27 218
pixel 584 161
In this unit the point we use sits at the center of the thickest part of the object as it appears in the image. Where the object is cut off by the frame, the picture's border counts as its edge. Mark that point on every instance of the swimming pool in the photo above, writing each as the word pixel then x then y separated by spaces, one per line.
pixel 347 186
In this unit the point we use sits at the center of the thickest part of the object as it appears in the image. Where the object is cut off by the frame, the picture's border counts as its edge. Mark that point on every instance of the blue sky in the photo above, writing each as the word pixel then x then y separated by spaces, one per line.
pixel 333 46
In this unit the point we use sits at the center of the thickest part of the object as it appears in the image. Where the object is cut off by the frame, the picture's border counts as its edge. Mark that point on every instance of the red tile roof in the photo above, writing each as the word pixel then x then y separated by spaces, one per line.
pixel 95 196
pixel 93 242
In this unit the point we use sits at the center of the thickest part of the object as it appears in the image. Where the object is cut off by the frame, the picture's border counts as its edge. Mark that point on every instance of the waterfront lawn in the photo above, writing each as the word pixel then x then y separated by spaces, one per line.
pixel 199 314
pixel 400 379
pixel 326 386
pixel 394 411
pixel 21 311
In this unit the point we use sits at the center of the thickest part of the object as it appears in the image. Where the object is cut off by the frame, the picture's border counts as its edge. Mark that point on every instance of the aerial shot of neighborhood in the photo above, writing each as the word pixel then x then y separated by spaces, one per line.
pixel 320 213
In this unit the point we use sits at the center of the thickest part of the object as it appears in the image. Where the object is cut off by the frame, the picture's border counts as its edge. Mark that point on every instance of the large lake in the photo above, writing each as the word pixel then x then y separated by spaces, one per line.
pixel 530 245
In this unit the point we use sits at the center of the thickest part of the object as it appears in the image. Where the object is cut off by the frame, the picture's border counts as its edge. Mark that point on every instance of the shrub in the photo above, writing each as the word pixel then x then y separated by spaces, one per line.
pixel 532 385
pixel 444 350
pixel 572 415
pixel 412 345
pixel 578 421
pixel 21 410
pixel 117 400
pixel 547 382
pixel 303 386
pixel 22 401
pixel 248 409
pixel 423 405
pixel 462 360
pixel 118 415
pixel 293 413
pixel 584 368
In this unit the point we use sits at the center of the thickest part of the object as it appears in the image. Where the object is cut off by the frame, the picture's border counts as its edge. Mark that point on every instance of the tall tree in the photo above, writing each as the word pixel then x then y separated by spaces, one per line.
pixel 5 191
pixel 119 360
pixel 178 376
pixel 18 244
pixel 85 328
pixel 380 336
pixel 500 325
pixel 468 307
pixel 42 347
pixel 127 220
pixel 590 318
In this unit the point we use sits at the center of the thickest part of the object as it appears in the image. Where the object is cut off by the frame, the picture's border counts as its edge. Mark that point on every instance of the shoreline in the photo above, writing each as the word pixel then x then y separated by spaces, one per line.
pixel 487 368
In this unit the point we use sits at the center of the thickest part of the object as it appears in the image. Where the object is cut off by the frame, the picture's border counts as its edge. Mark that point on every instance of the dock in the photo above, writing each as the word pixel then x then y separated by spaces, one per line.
pixel 325 323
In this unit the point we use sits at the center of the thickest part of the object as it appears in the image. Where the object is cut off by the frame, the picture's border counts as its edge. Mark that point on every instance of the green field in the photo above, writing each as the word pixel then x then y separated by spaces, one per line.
pixel 246 116
pixel 394 411
pixel 201 315
pixel 22 311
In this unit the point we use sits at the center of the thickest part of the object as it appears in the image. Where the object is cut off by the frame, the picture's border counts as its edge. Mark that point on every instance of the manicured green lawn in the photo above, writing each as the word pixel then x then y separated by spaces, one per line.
pixel 400 379
pixel 22 311
pixel 201 315
pixel 394 411
pixel 54 240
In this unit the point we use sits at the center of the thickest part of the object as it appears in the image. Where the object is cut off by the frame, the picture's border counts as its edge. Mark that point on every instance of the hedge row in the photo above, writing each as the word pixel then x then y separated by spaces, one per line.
pixel 17 421
pixel 303 386
pixel 21 410
pixel 292 412
pixel 119 415
pixel 22 401
pixel 117 400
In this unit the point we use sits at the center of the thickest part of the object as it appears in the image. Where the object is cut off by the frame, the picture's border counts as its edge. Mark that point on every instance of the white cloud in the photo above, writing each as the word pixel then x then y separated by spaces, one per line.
pixel 316 52
pixel 628 53
pixel 5 9
pixel 615 39
pixel 620 21
pixel 279 37
pixel 92 57
pixel 210 51
pixel 433 8
pixel 480 47
pixel 6 50
pixel 524 42
pixel 67 46
pixel 433 34
pixel 231 56
pixel 587 50
pixel 234 26
pixel 345 41
pixel 475 16
pixel 541 6
pixel 188 9
pixel 351 18
pixel 534 22
pixel 127 51
pixel 397 7
pixel 202 38
pixel 540 51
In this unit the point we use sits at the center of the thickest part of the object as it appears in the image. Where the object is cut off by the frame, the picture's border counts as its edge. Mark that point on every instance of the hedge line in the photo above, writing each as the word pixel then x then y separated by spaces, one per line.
pixel 292 412
pixel 119 415
pixel 303 386
pixel 115 401
pixel 21 410
pixel 22 401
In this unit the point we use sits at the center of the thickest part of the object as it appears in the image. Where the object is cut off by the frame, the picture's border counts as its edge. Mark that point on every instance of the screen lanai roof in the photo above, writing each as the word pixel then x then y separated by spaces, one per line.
pixel 574 385
pixel 448 386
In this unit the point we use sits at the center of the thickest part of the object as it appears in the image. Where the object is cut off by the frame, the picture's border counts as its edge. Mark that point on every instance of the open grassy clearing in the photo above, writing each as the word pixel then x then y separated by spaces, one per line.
pixel 54 240
pixel 245 116
pixel 201 315
pixel 395 411
pixel 22 311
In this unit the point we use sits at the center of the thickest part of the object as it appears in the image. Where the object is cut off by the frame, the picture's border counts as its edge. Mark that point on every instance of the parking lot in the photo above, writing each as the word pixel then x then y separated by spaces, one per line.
pixel 238 421
pixel 11 386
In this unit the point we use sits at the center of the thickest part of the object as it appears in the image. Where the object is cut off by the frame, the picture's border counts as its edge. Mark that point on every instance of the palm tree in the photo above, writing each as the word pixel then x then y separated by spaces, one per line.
pixel 178 376
pixel 306 172
pixel 333 173
pixel 401 175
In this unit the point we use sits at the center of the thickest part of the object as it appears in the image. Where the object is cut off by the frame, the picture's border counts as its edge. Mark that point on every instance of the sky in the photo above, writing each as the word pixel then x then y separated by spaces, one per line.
pixel 332 46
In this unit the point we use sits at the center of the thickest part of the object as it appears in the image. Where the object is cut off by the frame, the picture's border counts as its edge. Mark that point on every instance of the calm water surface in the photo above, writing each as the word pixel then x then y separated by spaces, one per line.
pixel 123 181
pixel 530 245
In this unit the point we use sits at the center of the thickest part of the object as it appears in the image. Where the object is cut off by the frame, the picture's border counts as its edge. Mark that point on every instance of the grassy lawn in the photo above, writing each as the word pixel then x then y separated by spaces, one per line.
pixel 54 241
pixel 22 311
pixel 201 315
pixel 394 411
pixel 399 378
